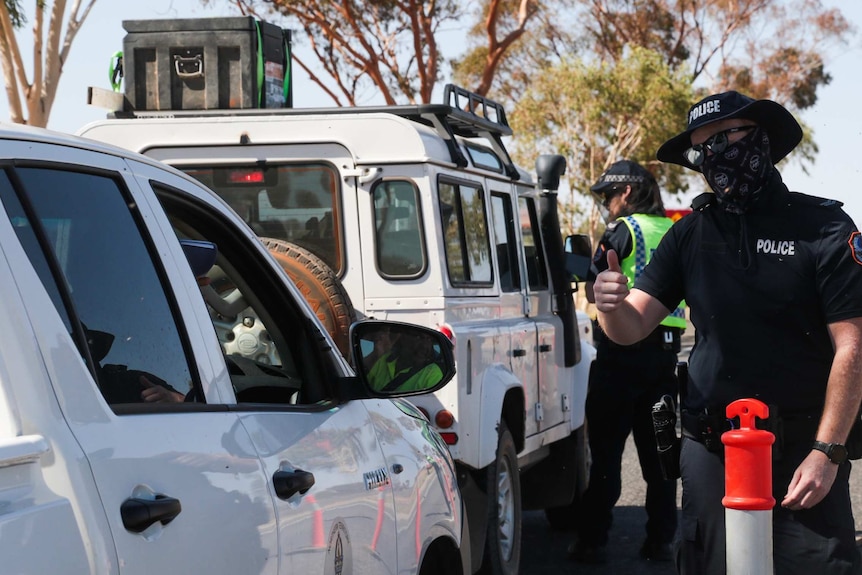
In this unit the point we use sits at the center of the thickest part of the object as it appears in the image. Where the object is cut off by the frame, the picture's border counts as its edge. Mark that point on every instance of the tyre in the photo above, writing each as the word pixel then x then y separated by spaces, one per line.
pixel 319 286
pixel 503 484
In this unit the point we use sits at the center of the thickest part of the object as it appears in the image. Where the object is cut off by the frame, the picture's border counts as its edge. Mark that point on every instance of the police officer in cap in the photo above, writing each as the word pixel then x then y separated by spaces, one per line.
pixel 774 282
pixel 625 381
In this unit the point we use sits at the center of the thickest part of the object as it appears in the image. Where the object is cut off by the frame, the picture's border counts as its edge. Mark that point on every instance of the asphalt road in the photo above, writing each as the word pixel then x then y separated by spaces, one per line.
pixel 544 550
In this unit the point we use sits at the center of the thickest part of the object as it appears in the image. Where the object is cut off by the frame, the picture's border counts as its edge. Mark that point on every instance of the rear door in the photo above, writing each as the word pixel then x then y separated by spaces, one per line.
pixel 182 487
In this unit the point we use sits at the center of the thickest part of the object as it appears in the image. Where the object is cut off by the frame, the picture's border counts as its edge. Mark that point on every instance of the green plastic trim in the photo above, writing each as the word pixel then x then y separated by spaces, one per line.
pixel 259 65
pixel 115 71
pixel 286 71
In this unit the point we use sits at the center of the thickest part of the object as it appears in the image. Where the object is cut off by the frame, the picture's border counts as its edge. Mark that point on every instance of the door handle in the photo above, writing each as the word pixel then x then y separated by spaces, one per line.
pixel 287 483
pixel 519 352
pixel 139 513
pixel 545 347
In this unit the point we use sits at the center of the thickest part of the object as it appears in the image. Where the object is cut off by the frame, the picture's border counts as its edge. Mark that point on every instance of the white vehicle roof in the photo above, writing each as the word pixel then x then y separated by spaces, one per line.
pixel 374 135
pixel 21 132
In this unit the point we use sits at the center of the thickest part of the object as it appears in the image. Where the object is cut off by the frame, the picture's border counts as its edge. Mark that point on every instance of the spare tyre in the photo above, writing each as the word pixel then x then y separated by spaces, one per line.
pixel 319 286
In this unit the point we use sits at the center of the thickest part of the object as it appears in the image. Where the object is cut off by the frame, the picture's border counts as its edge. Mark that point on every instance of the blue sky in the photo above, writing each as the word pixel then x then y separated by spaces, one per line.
pixel 836 119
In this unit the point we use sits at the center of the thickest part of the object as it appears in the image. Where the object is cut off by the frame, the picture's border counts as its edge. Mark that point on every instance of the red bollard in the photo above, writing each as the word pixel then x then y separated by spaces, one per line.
pixel 748 500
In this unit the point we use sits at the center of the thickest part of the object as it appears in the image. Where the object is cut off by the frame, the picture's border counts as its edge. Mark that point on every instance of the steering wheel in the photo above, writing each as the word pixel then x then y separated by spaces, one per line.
pixel 256 382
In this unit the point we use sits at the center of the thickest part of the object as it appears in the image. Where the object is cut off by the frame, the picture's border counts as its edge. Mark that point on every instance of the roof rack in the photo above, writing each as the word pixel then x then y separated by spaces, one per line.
pixel 463 114
pixel 470 115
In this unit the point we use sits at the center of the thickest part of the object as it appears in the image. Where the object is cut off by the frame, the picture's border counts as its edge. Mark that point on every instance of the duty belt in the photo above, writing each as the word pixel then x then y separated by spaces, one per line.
pixel 662 337
pixel 707 426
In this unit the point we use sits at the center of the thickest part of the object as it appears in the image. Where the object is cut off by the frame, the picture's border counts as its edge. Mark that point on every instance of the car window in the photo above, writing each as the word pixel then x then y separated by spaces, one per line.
pixel 505 243
pixel 399 248
pixel 462 210
pixel 272 351
pixel 295 202
pixel 81 231
pixel 537 274
pixel 484 158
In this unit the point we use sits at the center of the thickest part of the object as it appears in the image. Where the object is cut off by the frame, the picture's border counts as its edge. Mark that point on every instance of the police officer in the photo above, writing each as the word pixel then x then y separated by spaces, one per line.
pixel 774 282
pixel 625 381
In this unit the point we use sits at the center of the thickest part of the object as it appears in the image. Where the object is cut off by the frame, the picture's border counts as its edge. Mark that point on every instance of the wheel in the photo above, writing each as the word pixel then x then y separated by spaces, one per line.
pixel 503 484
pixel 319 286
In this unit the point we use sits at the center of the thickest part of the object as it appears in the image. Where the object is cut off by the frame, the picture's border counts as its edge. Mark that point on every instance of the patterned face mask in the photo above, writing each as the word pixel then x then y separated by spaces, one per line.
pixel 740 171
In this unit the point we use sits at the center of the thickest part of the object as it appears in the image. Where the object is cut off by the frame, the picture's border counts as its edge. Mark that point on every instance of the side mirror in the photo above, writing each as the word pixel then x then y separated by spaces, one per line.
pixel 579 256
pixel 394 359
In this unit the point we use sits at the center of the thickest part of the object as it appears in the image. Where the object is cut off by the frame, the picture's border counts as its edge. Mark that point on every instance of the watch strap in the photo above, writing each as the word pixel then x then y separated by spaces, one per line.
pixel 830 450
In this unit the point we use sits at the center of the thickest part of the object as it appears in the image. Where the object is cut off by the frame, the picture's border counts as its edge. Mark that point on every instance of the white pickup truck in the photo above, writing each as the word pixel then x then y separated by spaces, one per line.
pixel 418 214
pixel 169 403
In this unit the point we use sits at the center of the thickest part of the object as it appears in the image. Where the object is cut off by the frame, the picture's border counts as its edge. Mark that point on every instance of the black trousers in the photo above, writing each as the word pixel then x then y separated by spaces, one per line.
pixel 818 540
pixel 624 385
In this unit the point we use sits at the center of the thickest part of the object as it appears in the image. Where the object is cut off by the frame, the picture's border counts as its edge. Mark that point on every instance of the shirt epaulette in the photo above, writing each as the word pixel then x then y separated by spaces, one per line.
pixel 702 200
pixel 613 225
pixel 804 199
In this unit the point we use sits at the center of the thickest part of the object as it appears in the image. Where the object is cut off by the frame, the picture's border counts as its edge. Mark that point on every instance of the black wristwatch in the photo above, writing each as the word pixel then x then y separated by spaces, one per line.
pixel 836 452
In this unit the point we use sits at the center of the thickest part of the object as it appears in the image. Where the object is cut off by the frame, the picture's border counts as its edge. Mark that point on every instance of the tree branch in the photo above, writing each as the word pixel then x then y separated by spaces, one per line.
pixel 8 47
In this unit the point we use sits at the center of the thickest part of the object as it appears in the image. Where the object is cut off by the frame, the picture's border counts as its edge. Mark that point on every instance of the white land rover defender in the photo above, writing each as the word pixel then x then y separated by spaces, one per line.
pixel 417 214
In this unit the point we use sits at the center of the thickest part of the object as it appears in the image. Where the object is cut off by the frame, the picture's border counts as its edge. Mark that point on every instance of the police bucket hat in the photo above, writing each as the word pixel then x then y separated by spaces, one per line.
pixel 621 172
pixel 784 131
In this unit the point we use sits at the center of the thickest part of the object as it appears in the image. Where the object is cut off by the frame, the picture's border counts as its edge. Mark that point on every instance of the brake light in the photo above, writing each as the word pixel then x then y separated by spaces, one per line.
pixel 246 176
pixel 449 438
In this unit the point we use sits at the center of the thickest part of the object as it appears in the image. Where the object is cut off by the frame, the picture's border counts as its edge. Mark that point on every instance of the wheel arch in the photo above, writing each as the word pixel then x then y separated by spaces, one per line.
pixel 442 555
pixel 502 399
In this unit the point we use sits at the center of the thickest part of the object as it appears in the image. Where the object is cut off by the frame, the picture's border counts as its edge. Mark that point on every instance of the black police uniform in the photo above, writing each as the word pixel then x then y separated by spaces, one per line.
pixel 762 288
pixel 625 382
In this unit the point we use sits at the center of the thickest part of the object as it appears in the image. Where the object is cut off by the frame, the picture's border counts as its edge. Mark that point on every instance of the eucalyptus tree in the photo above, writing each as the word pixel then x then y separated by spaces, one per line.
pixel 54 28
pixel 391 50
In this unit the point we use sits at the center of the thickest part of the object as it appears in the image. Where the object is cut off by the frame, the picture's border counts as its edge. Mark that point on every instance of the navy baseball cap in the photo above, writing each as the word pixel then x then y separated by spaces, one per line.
pixel 784 131
pixel 622 172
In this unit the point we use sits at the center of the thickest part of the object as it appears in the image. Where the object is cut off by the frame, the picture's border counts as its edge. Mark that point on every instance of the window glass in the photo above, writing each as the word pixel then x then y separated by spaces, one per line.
pixel 484 158
pixel 506 246
pixel 105 269
pixel 297 203
pixel 399 248
pixel 537 275
pixel 269 351
pixel 451 220
pixel 476 234
pixel 31 245
pixel 468 255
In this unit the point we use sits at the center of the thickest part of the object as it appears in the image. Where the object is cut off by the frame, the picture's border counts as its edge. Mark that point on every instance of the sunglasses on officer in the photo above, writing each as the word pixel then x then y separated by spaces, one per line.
pixel 604 198
pixel 717 143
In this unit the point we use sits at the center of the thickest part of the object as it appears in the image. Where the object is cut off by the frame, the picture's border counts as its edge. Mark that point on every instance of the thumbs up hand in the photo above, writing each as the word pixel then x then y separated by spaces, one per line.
pixel 611 286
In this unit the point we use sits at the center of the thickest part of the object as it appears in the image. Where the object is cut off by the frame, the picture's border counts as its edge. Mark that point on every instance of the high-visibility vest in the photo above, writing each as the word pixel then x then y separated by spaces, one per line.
pixel 647 231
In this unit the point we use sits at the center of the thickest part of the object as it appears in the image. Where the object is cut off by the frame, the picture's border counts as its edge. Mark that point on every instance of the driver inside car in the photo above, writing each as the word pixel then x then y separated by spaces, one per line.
pixel 201 256
pixel 410 366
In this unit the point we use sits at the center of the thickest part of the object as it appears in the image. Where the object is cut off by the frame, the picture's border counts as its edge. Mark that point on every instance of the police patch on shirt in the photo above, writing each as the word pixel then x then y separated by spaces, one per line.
pixel 855 242
pixel 600 254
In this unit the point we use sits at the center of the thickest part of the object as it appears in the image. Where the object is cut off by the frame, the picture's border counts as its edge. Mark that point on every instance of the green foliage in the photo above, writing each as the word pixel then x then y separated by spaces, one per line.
pixel 16 14
pixel 595 113
pixel 620 82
